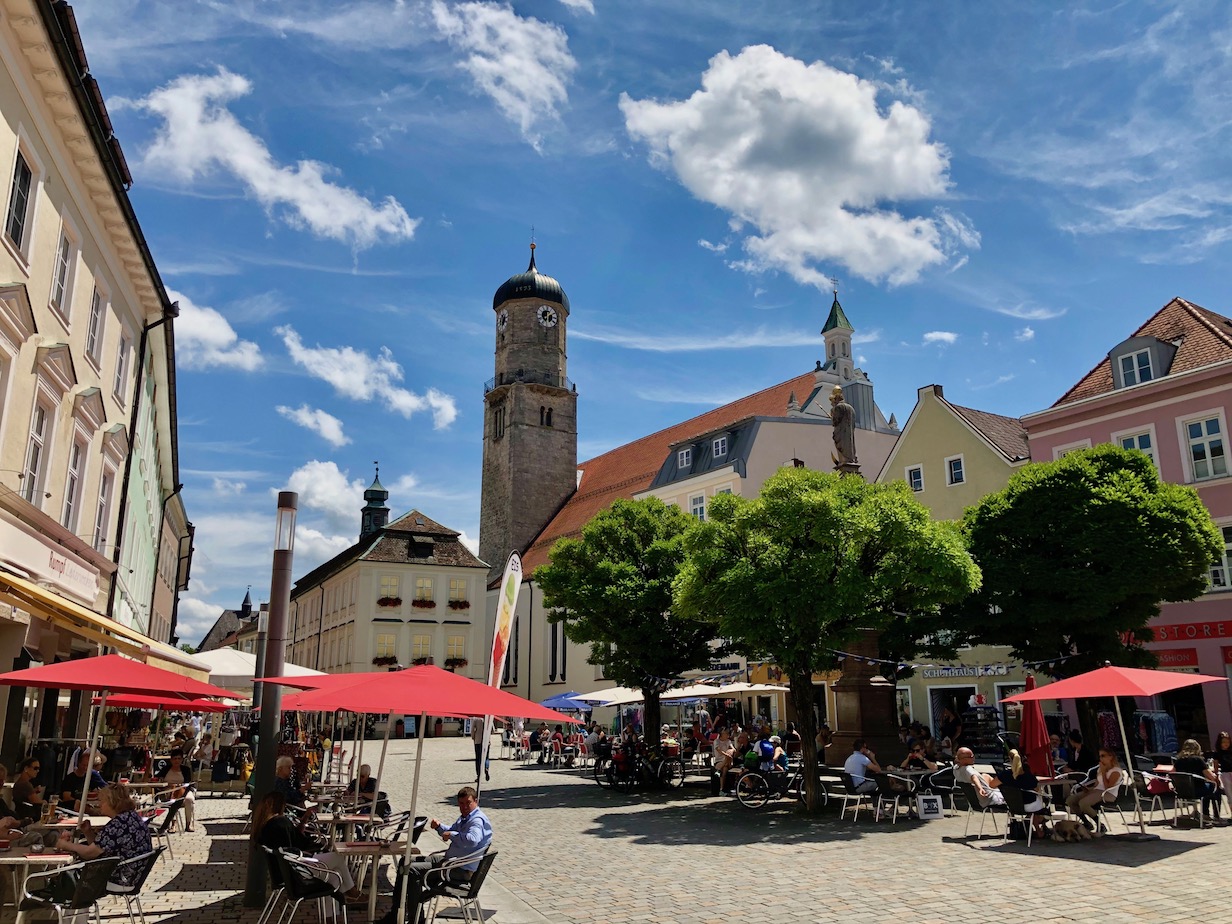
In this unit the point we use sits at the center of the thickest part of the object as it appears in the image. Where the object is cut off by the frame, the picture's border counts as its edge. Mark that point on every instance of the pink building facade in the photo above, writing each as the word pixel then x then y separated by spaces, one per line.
pixel 1167 391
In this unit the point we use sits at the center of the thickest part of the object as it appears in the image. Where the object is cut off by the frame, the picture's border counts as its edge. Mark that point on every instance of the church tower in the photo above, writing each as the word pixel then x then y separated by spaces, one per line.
pixel 530 418
pixel 375 513
pixel 837 332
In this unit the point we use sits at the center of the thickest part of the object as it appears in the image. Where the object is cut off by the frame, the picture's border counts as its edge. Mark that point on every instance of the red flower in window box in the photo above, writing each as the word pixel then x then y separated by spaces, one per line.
pixel 389 601
pixel 459 604
pixel 424 604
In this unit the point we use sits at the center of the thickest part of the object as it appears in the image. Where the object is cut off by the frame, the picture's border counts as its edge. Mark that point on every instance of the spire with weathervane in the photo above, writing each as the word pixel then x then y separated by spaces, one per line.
pixel 837 332
pixel 375 514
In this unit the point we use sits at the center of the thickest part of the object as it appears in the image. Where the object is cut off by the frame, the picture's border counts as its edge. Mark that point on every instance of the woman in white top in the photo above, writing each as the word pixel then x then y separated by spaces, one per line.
pixel 1105 787
pixel 724 755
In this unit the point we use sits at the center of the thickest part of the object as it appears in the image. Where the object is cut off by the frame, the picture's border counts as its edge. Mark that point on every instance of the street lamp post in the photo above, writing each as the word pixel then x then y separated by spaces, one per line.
pixel 258 689
pixel 271 695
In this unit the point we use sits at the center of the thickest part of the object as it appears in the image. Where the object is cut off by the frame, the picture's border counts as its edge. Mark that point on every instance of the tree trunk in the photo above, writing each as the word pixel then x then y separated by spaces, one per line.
pixel 651 720
pixel 801 683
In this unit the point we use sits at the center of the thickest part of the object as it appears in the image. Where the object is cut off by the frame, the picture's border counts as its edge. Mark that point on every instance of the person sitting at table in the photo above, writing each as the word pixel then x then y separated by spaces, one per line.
pixel 367 790
pixel 916 759
pixel 859 764
pixel 75 782
pixel 1018 774
pixel 1221 755
pixel 539 741
pixel 928 743
pixel 293 795
pixel 1190 760
pixel 1060 756
pixel 1081 759
pixel 950 727
pixel 469 835
pixel 273 829
pixel 779 755
pixel 125 835
pixel 1103 787
pixel 179 785
pixel 593 736
pixel 985 784
pixel 824 739
pixel 27 797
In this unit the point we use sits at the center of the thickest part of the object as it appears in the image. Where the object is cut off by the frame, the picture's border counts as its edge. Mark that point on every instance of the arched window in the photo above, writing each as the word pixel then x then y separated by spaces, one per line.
pixel 844 347
pixel 549 418
pixel 832 351
pixel 542 409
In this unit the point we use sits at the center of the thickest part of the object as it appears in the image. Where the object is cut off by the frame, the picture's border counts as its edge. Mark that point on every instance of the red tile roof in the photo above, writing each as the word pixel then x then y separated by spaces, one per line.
pixel 1205 338
pixel 628 469
pixel 1007 434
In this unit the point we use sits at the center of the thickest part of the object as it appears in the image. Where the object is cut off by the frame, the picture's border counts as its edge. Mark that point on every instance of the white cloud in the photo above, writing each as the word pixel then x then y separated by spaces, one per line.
pixel 713 248
pixel 325 425
pixel 204 339
pixel 315 546
pixel 323 487
pixel 362 377
pixel 584 5
pixel 523 64
pixel 199 136
pixel 466 540
pixel 226 488
pixel 946 337
pixel 195 617
pixel 693 342
pixel 804 153
pixel 1024 335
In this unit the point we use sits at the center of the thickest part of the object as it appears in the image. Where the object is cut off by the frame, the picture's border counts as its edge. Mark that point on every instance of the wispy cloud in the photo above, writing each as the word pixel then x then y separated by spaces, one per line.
pixel 999 380
pixel 664 394
pixel 325 425
pixel 944 337
pixel 205 340
pixel 199 136
pixel 1024 335
pixel 363 377
pixel 760 337
pixel 225 488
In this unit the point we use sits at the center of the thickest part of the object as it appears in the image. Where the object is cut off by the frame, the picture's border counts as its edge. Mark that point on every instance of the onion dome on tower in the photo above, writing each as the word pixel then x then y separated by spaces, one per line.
pixel 375 514
pixel 531 284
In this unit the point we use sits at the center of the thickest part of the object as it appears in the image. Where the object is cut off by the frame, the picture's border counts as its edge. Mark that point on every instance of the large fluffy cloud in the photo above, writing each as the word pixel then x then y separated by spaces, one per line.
pixel 200 135
pixel 363 377
pixel 804 154
pixel 523 64
pixel 324 488
pixel 204 339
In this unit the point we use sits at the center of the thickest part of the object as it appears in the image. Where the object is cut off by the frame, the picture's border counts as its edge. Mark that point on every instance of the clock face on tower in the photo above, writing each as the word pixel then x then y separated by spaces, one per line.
pixel 502 320
pixel 546 315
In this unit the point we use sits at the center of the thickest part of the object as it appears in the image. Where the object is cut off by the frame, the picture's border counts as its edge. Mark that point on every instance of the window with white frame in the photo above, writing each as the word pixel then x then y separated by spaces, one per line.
pixel 455 646
pixel 17 221
pixel 697 507
pixel 37 449
pixel 915 477
pixel 1140 441
pixel 684 458
pixel 94 330
pixel 103 511
pixel 726 489
pixel 1207 454
pixel 1221 571
pixel 457 589
pixel 421 647
pixel 62 273
pixel 387 645
pixel 423 588
pixel 389 586
pixel 1059 452
pixel 121 369
pixel 954 473
pixel 72 487
pixel 720 447
pixel 1136 368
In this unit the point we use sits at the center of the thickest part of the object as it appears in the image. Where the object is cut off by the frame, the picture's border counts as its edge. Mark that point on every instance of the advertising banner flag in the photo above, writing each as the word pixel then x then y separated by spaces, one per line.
pixel 506 606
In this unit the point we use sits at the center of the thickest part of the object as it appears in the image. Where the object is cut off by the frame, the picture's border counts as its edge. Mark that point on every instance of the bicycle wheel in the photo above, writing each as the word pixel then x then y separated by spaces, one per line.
pixel 603 774
pixel 625 782
pixel 823 796
pixel 753 791
pixel 671 772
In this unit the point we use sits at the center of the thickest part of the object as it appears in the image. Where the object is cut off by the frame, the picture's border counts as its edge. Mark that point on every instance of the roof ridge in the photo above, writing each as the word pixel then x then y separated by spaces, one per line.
pixel 1200 315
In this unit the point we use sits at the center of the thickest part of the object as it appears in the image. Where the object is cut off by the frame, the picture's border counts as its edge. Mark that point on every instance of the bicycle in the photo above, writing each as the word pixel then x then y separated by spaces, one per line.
pixel 756 787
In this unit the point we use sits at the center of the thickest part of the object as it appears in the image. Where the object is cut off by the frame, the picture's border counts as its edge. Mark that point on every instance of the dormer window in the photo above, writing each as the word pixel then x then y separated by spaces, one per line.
pixel 720 447
pixel 684 458
pixel 1136 368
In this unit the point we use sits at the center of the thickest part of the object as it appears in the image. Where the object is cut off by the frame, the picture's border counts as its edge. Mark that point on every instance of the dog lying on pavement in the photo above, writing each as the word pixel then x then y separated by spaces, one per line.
pixel 1071 830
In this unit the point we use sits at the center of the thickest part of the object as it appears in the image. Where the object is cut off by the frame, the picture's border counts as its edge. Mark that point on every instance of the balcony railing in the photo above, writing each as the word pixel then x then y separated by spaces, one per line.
pixel 529 378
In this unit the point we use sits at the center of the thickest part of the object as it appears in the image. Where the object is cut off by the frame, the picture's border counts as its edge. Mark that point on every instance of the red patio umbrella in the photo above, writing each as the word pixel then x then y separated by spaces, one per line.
pixel 1033 742
pixel 109 674
pixel 1114 682
pixel 132 701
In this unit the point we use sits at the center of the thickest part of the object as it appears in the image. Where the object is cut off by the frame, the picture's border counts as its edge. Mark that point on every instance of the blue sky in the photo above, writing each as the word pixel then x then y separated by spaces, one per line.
pixel 334 190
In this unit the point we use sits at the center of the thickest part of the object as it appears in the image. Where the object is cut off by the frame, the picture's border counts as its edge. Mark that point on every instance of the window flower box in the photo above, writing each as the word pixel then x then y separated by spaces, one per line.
pixel 455 663
pixel 418 661
pixel 389 601
pixel 424 604
pixel 459 604
pixel 384 661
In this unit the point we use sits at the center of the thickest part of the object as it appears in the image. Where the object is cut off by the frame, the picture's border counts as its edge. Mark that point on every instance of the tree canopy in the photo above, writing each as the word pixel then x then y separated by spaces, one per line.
pixel 793 574
pixel 612 590
pixel 1078 554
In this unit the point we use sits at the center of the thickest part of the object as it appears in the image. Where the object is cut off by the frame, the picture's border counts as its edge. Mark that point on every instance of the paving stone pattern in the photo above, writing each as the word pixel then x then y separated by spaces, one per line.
pixel 572 852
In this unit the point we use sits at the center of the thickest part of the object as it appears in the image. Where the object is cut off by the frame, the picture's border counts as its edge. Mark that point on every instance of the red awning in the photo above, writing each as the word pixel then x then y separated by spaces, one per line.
pixel 1114 681
pixel 131 701
pixel 112 673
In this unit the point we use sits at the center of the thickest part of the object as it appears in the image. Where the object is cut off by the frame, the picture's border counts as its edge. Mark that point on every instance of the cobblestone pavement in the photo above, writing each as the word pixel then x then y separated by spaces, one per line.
pixel 576 853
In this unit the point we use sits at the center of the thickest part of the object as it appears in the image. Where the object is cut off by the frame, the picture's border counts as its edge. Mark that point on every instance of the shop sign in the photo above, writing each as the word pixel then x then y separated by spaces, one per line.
pixel 1227 655
pixel 1193 631
pixel 64 571
pixel 1184 660
pixel 964 670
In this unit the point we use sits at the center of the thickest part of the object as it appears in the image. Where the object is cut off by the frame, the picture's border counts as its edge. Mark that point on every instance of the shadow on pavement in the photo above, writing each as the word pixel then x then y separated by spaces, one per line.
pixel 206 877
pixel 1112 850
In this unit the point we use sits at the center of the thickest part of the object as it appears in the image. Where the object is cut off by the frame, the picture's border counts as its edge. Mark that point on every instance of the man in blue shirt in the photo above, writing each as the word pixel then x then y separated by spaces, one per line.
pixel 469 836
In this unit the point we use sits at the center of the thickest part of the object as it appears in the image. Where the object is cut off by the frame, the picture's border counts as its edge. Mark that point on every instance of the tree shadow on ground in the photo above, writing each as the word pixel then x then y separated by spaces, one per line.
pixel 1112 850
pixel 207 877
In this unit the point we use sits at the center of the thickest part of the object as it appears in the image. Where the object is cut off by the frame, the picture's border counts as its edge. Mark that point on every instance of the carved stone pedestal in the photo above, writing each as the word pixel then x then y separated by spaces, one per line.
pixel 864 707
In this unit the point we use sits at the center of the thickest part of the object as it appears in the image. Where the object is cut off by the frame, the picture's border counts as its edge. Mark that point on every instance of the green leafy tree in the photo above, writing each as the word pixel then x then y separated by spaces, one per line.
pixel 190 649
pixel 612 590
pixel 794 574
pixel 1078 554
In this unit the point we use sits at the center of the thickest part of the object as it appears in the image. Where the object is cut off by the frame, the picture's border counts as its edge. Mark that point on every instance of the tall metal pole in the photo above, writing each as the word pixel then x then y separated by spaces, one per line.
pixel 271 697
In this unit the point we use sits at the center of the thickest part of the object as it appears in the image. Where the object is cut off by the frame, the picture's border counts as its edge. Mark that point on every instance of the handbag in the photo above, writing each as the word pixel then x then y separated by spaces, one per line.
pixel 1017 830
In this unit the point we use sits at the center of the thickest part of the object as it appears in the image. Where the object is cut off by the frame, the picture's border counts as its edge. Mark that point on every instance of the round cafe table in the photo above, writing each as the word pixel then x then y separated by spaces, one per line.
pixel 19 862
pixel 372 851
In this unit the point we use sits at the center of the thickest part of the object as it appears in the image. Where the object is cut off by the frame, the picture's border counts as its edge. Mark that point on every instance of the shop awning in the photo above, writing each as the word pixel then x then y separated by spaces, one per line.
pixel 98 628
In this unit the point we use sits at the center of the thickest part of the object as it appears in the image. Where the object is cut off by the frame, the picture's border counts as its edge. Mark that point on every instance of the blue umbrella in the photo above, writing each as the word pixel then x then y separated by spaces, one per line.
pixel 567 702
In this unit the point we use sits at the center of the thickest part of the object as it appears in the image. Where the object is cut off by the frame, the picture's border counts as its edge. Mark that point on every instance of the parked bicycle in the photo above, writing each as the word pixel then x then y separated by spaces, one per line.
pixel 757 787
pixel 627 768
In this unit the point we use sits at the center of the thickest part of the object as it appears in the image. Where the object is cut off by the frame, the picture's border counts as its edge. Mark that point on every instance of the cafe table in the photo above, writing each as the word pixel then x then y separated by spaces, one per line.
pixel 346 822
pixel 20 859
pixel 371 852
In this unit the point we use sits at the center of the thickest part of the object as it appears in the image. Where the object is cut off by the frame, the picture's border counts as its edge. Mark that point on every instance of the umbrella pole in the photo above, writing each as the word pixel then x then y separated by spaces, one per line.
pixel 380 767
pixel 95 736
pixel 423 721
pixel 361 720
pixel 1129 759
